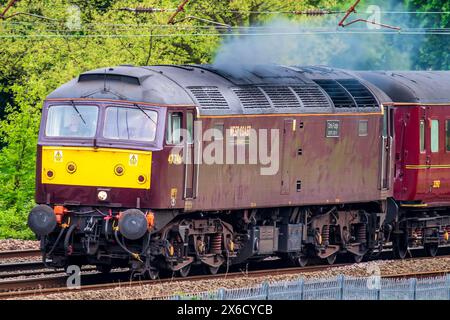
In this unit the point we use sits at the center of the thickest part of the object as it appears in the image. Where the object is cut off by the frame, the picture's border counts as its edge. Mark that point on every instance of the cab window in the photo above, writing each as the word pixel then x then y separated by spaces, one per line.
pixel 75 121
pixel 173 130
pixel 123 123
pixel 434 135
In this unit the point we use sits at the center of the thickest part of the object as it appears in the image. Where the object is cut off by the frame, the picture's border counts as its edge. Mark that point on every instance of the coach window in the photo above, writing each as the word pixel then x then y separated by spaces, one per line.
pixel 422 136
pixel 447 135
pixel 434 135
pixel 173 132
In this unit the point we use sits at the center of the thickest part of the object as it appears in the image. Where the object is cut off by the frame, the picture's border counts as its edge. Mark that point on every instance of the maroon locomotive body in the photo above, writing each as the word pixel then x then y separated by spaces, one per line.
pixel 166 167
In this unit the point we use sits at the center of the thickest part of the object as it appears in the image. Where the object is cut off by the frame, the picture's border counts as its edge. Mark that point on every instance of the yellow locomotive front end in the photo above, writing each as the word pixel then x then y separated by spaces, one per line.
pixel 94 177
pixel 89 166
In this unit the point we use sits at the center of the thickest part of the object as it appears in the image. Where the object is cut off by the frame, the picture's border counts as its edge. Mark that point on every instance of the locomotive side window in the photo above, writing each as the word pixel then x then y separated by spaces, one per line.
pixel 447 135
pixel 434 135
pixel 422 136
pixel 130 124
pixel 363 128
pixel 72 121
pixel 173 132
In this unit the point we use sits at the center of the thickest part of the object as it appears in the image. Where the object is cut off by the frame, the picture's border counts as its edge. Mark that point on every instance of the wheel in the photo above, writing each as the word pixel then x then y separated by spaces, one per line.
pixel 331 259
pixel 211 270
pixel 184 272
pixel 358 257
pixel 103 268
pixel 431 249
pixel 400 247
pixel 153 274
pixel 301 261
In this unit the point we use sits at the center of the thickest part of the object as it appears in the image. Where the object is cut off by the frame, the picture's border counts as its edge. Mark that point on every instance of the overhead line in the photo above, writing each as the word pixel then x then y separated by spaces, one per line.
pixel 220 34
pixel 8 6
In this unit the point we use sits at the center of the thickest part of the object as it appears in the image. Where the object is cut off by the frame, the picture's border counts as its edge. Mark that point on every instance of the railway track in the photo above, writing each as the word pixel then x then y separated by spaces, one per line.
pixel 20 266
pixel 28 269
pixel 58 284
pixel 96 281
pixel 30 253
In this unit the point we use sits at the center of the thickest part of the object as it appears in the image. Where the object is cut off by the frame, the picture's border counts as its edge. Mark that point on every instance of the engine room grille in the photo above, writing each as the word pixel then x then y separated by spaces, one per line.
pixel 312 96
pixel 281 97
pixel 363 97
pixel 209 98
pixel 252 97
pixel 340 97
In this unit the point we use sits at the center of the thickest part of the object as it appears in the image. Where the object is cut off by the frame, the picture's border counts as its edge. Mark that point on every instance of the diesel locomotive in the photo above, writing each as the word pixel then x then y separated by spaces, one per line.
pixel 172 166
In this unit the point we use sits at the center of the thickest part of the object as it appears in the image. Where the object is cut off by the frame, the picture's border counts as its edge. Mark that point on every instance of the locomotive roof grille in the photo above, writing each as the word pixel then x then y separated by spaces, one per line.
pixel 108 77
pixel 252 97
pixel 363 97
pixel 209 98
pixel 338 94
pixel 312 96
pixel 281 96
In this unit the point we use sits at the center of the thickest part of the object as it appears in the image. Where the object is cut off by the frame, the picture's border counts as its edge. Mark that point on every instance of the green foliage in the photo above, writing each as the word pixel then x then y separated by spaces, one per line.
pixel 434 52
pixel 13 223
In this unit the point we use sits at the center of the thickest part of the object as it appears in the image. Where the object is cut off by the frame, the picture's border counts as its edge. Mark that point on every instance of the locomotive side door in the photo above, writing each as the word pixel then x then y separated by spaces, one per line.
pixel 189 166
pixel 180 137
pixel 386 147
pixel 286 157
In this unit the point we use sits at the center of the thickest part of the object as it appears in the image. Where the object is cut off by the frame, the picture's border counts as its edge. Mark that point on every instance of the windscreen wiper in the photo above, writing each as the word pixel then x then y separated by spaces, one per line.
pixel 144 113
pixel 76 109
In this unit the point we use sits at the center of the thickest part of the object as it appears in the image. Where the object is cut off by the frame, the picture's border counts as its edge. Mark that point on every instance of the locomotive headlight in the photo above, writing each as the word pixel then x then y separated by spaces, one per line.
pixel 50 174
pixel 119 170
pixel 71 167
pixel 142 179
pixel 102 195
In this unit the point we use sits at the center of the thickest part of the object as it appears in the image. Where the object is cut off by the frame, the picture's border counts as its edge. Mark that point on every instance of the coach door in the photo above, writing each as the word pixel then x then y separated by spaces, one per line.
pixel 434 149
pixel 386 147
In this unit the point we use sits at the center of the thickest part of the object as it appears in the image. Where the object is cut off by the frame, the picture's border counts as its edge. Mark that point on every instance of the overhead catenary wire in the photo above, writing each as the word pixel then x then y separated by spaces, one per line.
pixel 311 12
pixel 182 26
pixel 8 6
pixel 259 29
pixel 287 12
pixel 221 34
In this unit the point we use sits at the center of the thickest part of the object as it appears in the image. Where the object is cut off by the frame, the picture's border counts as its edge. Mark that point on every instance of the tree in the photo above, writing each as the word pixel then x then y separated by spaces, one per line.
pixel 434 51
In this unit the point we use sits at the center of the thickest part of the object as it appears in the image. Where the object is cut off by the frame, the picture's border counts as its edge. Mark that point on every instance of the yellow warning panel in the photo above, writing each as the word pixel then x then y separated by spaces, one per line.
pixel 101 167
